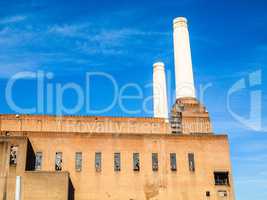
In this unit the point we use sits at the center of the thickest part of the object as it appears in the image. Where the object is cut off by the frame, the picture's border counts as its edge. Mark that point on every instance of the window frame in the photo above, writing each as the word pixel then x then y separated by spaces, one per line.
pixel 155 162
pixel 136 161
pixel 117 161
pixel 98 160
pixel 40 155
pixel 61 161
pixel 78 161
pixel 191 165
pixel 221 182
pixel 173 166
pixel 13 155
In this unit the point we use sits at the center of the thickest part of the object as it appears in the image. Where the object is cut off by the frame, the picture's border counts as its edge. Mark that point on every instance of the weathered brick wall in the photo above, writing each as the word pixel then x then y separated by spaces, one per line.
pixel 211 154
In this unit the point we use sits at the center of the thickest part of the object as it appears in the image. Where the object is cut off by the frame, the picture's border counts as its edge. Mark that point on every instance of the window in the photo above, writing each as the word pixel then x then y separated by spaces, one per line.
pixel 13 155
pixel 78 161
pixel 58 161
pixel 98 161
pixel 222 193
pixel 38 160
pixel 136 162
pixel 173 161
pixel 221 178
pixel 191 162
pixel 117 161
pixel 208 194
pixel 155 162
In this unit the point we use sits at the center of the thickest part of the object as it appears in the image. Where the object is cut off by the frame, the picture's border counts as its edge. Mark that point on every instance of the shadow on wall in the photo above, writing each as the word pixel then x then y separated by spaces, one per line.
pixel 71 191
pixel 30 159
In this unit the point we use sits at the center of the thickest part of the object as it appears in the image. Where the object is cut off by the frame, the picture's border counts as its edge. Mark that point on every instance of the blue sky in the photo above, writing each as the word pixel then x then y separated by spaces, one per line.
pixel 124 38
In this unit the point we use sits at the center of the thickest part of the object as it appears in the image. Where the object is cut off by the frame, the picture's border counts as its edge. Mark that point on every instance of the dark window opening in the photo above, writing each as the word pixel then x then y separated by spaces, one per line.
pixel 173 161
pixel 136 162
pixel 38 160
pixel 117 161
pixel 30 158
pixel 155 162
pixel 191 162
pixel 221 178
pixel 98 161
pixel 78 161
pixel 208 194
pixel 13 155
pixel 58 161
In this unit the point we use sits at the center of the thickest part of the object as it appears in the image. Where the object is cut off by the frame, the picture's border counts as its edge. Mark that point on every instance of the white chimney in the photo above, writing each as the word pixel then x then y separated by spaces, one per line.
pixel 183 63
pixel 160 91
pixel 18 188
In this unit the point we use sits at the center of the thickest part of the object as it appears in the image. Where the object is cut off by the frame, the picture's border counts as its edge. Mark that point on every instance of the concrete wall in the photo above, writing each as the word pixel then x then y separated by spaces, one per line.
pixel 8 173
pixel 121 125
pixel 45 186
pixel 35 185
pixel 3 160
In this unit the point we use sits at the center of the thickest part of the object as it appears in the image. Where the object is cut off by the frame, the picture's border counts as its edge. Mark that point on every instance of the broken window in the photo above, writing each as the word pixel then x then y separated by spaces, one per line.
pixel 98 161
pixel 136 162
pixel 78 161
pixel 191 162
pixel 222 193
pixel 38 160
pixel 155 162
pixel 117 161
pixel 173 161
pixel 13 155
pixel 58 161
pixel 221 178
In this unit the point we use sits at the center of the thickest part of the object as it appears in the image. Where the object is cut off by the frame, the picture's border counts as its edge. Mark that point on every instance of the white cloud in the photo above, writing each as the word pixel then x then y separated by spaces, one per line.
pixel 12 19
pixel 83 38
pixel 14 37
pixel 68 30
pixel 9 69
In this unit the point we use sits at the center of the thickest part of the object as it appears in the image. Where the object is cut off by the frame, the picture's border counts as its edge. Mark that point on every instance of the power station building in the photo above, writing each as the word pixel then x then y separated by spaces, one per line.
pixel 172 156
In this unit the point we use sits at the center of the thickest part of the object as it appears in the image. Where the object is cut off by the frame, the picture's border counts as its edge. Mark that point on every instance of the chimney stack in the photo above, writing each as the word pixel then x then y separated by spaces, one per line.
pixel 159 91
pixel 183 63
